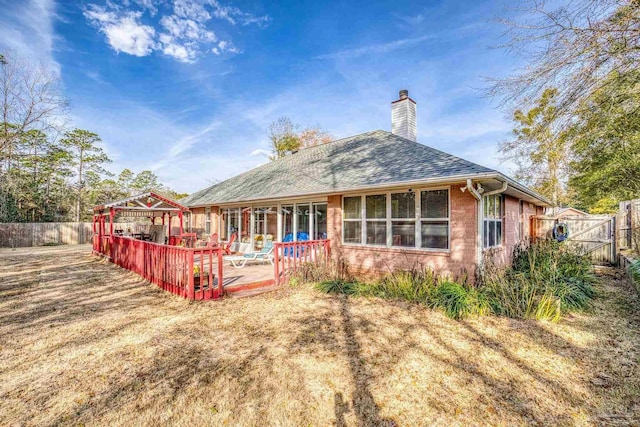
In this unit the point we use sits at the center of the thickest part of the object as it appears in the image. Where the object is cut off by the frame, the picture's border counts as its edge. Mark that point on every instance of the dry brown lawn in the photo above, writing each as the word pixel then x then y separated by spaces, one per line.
pixel 86 343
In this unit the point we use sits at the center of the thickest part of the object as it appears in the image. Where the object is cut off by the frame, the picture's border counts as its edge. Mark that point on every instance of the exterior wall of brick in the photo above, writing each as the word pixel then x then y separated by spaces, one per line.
pixel 370 261
pixel 516 228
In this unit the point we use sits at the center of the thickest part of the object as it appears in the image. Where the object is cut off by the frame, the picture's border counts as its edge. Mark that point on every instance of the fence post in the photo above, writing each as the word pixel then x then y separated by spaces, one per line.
pixel 191 287
pixel 276 264
pixel 220 273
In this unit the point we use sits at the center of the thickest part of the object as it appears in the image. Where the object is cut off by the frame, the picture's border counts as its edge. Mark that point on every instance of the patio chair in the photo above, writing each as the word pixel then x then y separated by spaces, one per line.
pixel 227 248
pixel 265 254
pixel 213 242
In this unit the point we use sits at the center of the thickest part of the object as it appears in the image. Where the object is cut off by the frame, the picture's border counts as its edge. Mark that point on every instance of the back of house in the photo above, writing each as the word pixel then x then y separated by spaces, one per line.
pixel 383 200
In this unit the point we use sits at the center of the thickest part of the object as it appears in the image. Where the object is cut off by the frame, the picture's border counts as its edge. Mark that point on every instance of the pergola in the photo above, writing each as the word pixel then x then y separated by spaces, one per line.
pixel 146 205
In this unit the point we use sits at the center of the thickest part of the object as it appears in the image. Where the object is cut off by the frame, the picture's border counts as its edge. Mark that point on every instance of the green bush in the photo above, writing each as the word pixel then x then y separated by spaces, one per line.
pixel 459 301
pixel 545 281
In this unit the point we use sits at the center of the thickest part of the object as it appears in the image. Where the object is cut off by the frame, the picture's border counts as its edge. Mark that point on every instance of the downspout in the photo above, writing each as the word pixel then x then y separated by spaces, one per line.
pixel 479 196
pixel 476 194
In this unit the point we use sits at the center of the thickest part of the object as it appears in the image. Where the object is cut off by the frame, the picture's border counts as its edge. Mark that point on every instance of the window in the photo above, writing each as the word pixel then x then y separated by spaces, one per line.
pixel 408 219
pixel 492 223
pixel 403 219
pixel 352 220
pixel 376 213
pixel 434 215
pixel 207 220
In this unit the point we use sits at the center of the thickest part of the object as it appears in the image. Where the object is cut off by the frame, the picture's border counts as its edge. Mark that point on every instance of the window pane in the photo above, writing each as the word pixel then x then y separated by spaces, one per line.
pixel 488 206
pixel 302 233
pixel 404 233
pixel 486 233
pixel 287 223
pixel 352 232
pixel 435 204
pixel 403 205
pixel 376 233
pixel 320 221
pixel 498 233
pixel 492 233
pixel 352 207
pixel 435 235
pixel 377 206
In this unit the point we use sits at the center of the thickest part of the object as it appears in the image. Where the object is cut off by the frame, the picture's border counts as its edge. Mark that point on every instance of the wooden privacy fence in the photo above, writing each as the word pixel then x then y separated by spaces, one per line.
pixel 629 225
pixel 593 234
pixel 192 273
pixel 19 235
pixel 290 256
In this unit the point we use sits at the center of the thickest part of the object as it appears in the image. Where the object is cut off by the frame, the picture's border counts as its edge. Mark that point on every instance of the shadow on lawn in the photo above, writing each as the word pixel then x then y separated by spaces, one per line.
pixel 511 393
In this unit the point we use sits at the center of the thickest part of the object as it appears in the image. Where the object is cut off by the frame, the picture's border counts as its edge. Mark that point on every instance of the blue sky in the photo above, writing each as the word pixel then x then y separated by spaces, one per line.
pixel 187 88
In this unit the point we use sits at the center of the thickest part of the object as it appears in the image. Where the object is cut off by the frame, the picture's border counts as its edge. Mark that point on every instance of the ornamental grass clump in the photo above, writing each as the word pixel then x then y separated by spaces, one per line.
pixel 546 280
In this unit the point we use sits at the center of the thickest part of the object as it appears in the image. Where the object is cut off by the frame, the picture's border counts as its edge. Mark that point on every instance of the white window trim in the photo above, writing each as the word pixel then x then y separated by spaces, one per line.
pixel 499 218
pixel 418 220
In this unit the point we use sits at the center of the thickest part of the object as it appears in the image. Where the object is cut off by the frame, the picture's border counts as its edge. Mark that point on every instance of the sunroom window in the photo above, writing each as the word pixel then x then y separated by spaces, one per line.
pixel 492 223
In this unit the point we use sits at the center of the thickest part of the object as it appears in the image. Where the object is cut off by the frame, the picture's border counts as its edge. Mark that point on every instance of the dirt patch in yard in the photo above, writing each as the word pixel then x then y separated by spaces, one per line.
pixel 84 342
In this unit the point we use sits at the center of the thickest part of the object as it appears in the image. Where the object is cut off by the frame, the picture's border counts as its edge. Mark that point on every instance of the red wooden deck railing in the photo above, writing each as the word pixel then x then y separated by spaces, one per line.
pixel 289 256
pixel 193 273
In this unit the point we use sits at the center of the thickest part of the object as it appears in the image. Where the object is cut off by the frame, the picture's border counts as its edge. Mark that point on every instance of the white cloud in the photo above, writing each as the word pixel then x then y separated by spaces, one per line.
pixel 26 28
pixel 234 15
pixel 191 9
pixel 260 152
pixel 184 35
pixel 124 31
pixel 225 46
pixel 376 48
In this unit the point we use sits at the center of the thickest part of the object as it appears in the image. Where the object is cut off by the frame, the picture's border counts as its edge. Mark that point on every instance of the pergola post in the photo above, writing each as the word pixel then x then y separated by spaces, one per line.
pixel 181 222
pixel 112 215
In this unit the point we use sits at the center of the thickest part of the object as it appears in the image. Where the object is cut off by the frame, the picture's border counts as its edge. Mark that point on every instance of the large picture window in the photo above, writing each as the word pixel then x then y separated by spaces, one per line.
pixel 492 224
pixel 412 219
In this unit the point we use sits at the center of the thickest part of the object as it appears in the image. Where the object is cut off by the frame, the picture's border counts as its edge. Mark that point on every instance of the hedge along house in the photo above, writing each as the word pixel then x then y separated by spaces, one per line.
pixel 383 200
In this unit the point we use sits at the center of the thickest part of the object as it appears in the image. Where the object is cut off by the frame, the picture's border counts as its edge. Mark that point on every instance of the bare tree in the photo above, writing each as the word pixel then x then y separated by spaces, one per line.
pixel 572 48
pixel 287 137
pixel 30 99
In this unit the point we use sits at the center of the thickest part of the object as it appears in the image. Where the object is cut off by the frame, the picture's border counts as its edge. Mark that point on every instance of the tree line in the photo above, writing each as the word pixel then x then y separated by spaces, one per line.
pixel 576 103
pixel 49 171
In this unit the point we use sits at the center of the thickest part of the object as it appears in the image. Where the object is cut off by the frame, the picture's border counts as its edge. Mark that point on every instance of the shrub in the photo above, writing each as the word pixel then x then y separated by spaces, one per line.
pixel 545 281
pixel 458 301
pixel 411 285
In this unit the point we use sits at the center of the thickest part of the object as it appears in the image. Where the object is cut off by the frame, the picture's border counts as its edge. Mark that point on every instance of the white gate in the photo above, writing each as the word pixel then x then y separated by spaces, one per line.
pixel 593 234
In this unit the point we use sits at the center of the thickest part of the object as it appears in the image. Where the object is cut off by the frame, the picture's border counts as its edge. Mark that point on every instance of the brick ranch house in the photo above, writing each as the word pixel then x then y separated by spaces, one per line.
pixel 383 200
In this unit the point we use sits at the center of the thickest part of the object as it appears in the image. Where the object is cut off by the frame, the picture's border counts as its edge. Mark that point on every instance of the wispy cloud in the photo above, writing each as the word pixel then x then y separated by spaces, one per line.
pixel 376 48
pixel 184 34
pixel 27 29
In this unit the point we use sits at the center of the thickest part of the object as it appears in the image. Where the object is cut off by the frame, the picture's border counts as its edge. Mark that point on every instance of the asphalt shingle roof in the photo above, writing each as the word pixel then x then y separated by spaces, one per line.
pixel 366 160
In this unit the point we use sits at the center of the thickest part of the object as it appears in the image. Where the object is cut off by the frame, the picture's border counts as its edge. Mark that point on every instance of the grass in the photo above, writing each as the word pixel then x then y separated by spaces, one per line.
pixel 86 343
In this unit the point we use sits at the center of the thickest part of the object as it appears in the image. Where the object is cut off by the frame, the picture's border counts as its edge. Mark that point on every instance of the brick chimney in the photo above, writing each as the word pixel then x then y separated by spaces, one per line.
pixel 403 116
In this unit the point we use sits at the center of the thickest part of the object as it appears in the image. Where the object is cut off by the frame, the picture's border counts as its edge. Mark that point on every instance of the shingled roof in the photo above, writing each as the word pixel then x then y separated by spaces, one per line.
pixel 370 159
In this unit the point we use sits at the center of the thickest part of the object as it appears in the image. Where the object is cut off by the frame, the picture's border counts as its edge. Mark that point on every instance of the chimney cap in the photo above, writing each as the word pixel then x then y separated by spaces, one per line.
pixel 404 93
